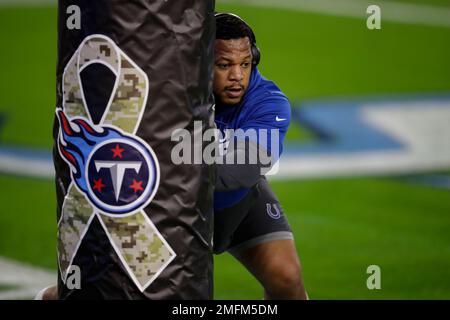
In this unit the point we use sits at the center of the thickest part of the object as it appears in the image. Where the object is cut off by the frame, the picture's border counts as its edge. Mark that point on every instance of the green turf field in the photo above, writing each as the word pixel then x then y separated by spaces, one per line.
pixel 341 225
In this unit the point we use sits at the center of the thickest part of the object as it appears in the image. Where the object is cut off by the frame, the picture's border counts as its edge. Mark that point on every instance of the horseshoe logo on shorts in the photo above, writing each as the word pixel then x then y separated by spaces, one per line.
pixel 277 214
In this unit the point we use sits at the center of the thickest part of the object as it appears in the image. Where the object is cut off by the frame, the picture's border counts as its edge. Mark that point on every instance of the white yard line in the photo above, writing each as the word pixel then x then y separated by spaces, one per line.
pixel 26 280
pixel 22 166
pixel 400 12
pixel 423 127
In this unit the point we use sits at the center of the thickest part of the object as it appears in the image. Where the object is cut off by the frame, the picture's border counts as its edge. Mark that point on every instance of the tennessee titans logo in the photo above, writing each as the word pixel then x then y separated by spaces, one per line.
pixel 118 173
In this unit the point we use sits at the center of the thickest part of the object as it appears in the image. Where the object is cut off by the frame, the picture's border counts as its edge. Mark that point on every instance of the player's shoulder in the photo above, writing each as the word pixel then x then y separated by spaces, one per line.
pixel 266 97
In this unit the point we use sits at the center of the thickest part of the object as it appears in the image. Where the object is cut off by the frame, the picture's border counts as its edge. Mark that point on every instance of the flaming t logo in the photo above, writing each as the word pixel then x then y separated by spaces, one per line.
pixel 117 172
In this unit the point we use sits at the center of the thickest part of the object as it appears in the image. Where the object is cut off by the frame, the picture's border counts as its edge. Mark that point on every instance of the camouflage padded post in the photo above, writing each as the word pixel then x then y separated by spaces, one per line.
pixel 136 225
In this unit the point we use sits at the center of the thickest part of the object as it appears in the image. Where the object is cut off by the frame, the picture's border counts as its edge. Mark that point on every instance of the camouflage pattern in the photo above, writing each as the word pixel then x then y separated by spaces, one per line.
pixel 73 101
pixel 75 219
pixel 143 249
pixel 129 100
pixel 135 239
pixel 99 49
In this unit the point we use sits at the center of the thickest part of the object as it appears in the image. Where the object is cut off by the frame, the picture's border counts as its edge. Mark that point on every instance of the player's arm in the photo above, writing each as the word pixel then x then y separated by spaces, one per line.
pixel 258 146
pixel 231 175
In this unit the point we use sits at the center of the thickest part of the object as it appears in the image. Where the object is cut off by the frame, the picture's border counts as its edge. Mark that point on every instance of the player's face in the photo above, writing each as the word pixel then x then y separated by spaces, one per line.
pixel 233 66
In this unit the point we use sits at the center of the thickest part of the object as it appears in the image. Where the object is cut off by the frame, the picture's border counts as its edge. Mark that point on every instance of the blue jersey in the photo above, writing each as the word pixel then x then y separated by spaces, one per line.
pixel 263 106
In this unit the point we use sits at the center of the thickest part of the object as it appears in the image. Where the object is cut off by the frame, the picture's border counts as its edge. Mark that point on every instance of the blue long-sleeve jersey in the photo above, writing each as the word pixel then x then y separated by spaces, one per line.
pixel 263 106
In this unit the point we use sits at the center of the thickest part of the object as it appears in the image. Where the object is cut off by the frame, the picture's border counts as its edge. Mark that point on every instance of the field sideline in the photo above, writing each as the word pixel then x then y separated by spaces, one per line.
pixel 341 225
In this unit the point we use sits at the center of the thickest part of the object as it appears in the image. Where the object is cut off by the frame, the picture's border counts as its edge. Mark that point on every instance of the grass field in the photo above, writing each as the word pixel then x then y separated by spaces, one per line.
pixel 341 225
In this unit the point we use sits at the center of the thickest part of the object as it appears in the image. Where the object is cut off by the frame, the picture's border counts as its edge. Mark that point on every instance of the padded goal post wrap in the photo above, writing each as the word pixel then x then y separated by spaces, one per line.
pixel 136 225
